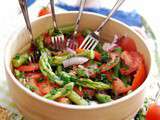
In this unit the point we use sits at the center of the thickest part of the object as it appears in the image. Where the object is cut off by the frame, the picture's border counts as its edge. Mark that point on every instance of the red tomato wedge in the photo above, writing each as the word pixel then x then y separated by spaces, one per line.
pixel 47 39
pixel 132 59
pixel 34 75
pixel 44 87
pixel 28 68
pixel 32 82
pixel 88 91
pixel 119 87
pixel 80 39
pixel 79 92
pixel 108 74
pixel 127 44
pixel 97 56
pixel 113 62
pixel 153 112
pixel 139 77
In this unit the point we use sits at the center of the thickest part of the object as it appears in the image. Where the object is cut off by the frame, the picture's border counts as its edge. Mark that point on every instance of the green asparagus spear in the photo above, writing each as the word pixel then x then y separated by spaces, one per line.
pixel 61 92
pixel 87 53
pixel 103 98
pixel 75 98
pixel 47 70
pixel 58 60
pixel 39 43
pixel 18 60
pixel 93 85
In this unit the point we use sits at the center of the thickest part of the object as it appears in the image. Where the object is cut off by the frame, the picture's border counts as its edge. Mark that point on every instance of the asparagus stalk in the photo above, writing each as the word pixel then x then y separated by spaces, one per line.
pixel 62 92
pixel 39 43
pixel 93 85
pixel 103 98
pixel 18 60
pixel 75 98
pixel 58 60
pixel 47 70
pixel 87 53
pixel 84 82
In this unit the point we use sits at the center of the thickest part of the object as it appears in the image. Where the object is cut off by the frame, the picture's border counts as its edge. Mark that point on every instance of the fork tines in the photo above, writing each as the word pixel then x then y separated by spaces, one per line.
pixel 58 41
pixel 90 42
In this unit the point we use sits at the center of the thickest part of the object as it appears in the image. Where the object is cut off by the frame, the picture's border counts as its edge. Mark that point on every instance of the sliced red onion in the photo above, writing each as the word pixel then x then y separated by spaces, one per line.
pixel 70 51
pixel 109 46
pixel 74 61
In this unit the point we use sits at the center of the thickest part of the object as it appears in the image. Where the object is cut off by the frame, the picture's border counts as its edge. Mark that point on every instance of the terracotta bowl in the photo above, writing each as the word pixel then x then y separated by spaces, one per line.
pixel 35 107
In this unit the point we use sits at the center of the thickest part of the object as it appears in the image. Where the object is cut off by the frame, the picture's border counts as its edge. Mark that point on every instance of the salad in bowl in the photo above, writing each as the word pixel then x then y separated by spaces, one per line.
pixel 79 76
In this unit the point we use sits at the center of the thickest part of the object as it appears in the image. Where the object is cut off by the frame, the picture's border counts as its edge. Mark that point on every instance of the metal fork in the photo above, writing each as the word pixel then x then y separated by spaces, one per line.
pixel 23 5
pixel 72 43
pixel 58 40
pixel 91 40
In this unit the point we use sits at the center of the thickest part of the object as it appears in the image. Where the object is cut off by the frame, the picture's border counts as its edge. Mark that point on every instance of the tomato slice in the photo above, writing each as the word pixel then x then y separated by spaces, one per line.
pixel 108 75
pixel 34 75
pixel 97 56
pixel 119 87
pixel 132 59
pixel 28 68
pixel 153 112
pixel 79 92
pixel 44 87
pixel 127 43
pixel 139 77
pixel 114 61
pixel 47 39
pixel 90 92
pixel 80 39
pixel 32 82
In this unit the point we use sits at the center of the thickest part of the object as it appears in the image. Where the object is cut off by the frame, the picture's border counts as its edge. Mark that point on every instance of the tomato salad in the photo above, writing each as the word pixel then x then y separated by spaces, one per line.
pixel 80 77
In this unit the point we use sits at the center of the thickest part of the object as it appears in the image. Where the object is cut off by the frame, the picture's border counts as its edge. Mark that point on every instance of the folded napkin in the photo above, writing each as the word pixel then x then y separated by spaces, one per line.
pixel 130 18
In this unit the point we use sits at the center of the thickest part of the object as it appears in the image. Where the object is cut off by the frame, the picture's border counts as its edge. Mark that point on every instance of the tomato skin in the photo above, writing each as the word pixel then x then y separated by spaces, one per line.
pixel 90 92
pixel 47 39
pixel 28 68
pixel 127 44
pixel 153 112
pixel 108 75
pixel 79 92
pixel 34 75
pixel 119 87
pixel 132 59
pixel 44 11
pixel 44 87
pixel 97 56
pixel 80 39
pixel 139 77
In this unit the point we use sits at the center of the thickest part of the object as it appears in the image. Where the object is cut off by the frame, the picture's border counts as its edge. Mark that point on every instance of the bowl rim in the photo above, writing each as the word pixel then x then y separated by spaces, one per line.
pixel 68 106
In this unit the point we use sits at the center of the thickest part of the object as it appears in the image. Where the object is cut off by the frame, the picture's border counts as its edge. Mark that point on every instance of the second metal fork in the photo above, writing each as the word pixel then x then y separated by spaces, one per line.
pixel 58 40
pixel 92 39
pixel 72 43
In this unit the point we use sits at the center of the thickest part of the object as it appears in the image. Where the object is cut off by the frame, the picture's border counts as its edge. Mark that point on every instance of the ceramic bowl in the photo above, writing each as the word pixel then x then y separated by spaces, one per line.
pixel 35 107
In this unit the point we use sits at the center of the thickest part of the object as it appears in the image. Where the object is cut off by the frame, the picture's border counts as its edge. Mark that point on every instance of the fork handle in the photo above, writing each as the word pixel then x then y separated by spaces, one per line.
pixel 115 7
pixel 23 5
pixel 82 3
pixel 53 14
